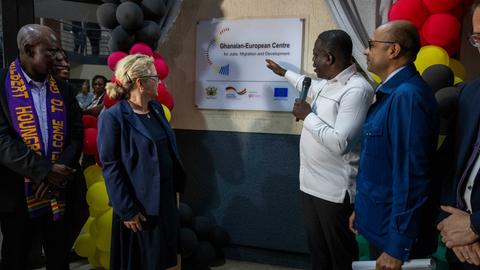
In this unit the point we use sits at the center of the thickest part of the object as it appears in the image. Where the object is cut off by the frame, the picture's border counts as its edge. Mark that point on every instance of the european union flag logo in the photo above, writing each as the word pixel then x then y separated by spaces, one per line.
pixel 280 92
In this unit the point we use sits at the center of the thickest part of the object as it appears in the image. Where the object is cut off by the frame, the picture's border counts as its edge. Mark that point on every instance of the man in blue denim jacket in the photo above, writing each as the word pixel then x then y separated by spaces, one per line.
pixel 399 140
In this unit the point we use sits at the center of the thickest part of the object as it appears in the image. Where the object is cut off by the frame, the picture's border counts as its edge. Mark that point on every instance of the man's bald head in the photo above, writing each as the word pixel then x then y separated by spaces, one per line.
pixel 32 34
pixel 405 34
pixel 37 45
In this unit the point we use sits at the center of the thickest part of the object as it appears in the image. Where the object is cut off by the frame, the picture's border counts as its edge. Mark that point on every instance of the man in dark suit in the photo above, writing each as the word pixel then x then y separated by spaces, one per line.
pixel 460 220
pixel 399 141
pixel 41 137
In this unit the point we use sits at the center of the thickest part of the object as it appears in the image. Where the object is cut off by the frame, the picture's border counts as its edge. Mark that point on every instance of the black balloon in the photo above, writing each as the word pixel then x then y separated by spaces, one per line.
pixel 447 100
pixel 149 33
pixel 438 77
pixel 130 16
pixel 202 226
pixel 136 1
pixel 121 39
pixel 186 214
pixel 111 1
pixel 154 45
pixel 188 242
pixel 106 15
pixel 112 45
pixel 204 254
pixel 219 237
pixel 153 9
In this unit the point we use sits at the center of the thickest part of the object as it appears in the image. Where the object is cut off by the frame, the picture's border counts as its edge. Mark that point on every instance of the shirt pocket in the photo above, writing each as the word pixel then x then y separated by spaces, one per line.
pixel 374 141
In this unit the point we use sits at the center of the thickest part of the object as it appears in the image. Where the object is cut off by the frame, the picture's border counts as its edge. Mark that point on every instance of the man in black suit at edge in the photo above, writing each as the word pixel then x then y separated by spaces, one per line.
pixel 41 136
pixel 459 224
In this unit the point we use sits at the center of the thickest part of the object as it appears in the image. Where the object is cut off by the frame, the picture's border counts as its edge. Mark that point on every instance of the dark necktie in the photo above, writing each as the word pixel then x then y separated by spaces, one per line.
pixel 466 172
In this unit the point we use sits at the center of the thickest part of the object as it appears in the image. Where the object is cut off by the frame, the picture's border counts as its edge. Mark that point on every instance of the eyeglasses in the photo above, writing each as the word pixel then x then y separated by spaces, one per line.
pixel 474 39
pixel 154 78
pixel 372 42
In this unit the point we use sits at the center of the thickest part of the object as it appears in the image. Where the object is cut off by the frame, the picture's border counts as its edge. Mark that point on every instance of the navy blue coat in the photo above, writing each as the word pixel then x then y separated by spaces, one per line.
pixel 130 160
pixel 457 149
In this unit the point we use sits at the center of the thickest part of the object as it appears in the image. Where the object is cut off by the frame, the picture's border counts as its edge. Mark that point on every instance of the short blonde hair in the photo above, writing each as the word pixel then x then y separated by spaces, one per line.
pixel 127 71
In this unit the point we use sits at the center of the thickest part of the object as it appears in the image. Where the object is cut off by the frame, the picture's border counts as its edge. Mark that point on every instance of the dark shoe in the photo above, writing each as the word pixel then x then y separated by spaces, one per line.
pixel 73 256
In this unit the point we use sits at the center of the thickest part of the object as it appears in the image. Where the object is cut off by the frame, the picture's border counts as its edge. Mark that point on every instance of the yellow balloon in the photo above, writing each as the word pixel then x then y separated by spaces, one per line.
pixel 431 55
pixel 93 260
pixel 457 80
pixel 95 213
pixel 84 245
pixel 93 174
pixel 104 259
pixel 86 226
pixel 457 68
pixel 97 196
pixel 93 230
pixel 103 225
pixel 376 78
pixel 167 113
pixel 441 139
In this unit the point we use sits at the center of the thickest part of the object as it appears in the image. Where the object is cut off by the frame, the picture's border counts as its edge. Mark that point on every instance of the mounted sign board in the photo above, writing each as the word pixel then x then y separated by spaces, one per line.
pixel 230 63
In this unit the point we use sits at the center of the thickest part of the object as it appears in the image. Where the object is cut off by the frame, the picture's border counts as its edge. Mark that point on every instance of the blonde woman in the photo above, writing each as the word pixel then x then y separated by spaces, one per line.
pixel 142 170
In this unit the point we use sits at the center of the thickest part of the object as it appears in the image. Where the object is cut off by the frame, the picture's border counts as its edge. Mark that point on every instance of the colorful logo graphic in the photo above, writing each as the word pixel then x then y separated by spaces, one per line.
pixel 231 89
pixel 222 70
pixel 254 95
pixel 211 91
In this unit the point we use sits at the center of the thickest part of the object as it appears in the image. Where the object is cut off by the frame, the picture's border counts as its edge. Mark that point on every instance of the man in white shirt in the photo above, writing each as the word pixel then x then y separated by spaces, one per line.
pixel 328 147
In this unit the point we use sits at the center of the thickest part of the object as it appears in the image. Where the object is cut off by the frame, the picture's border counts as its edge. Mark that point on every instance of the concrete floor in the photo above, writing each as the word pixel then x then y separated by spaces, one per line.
pixel 229 265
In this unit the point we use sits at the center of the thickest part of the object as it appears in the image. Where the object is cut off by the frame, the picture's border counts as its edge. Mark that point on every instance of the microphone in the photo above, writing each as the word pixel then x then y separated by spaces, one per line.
pixel 305 86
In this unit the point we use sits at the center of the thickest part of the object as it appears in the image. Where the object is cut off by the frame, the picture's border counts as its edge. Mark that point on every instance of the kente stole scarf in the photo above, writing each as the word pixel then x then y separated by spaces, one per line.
pixel 26 123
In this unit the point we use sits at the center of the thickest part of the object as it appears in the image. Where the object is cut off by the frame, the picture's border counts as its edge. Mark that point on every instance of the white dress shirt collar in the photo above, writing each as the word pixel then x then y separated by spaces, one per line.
pixel 345 75
pixel 393 73
pixel 31 81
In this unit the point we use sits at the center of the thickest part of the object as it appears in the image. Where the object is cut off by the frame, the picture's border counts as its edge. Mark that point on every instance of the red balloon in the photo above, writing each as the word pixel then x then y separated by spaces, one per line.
pixel 89 121
pixel 423 42
pixel 161 67
pixel 108 102
pixel 141 48
pixel 164 97
pixel 440 6
pixel 113 59
pixel 458 11
pixel 410 10
pixel 90 141
pixel 452 49
pixel 441 29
